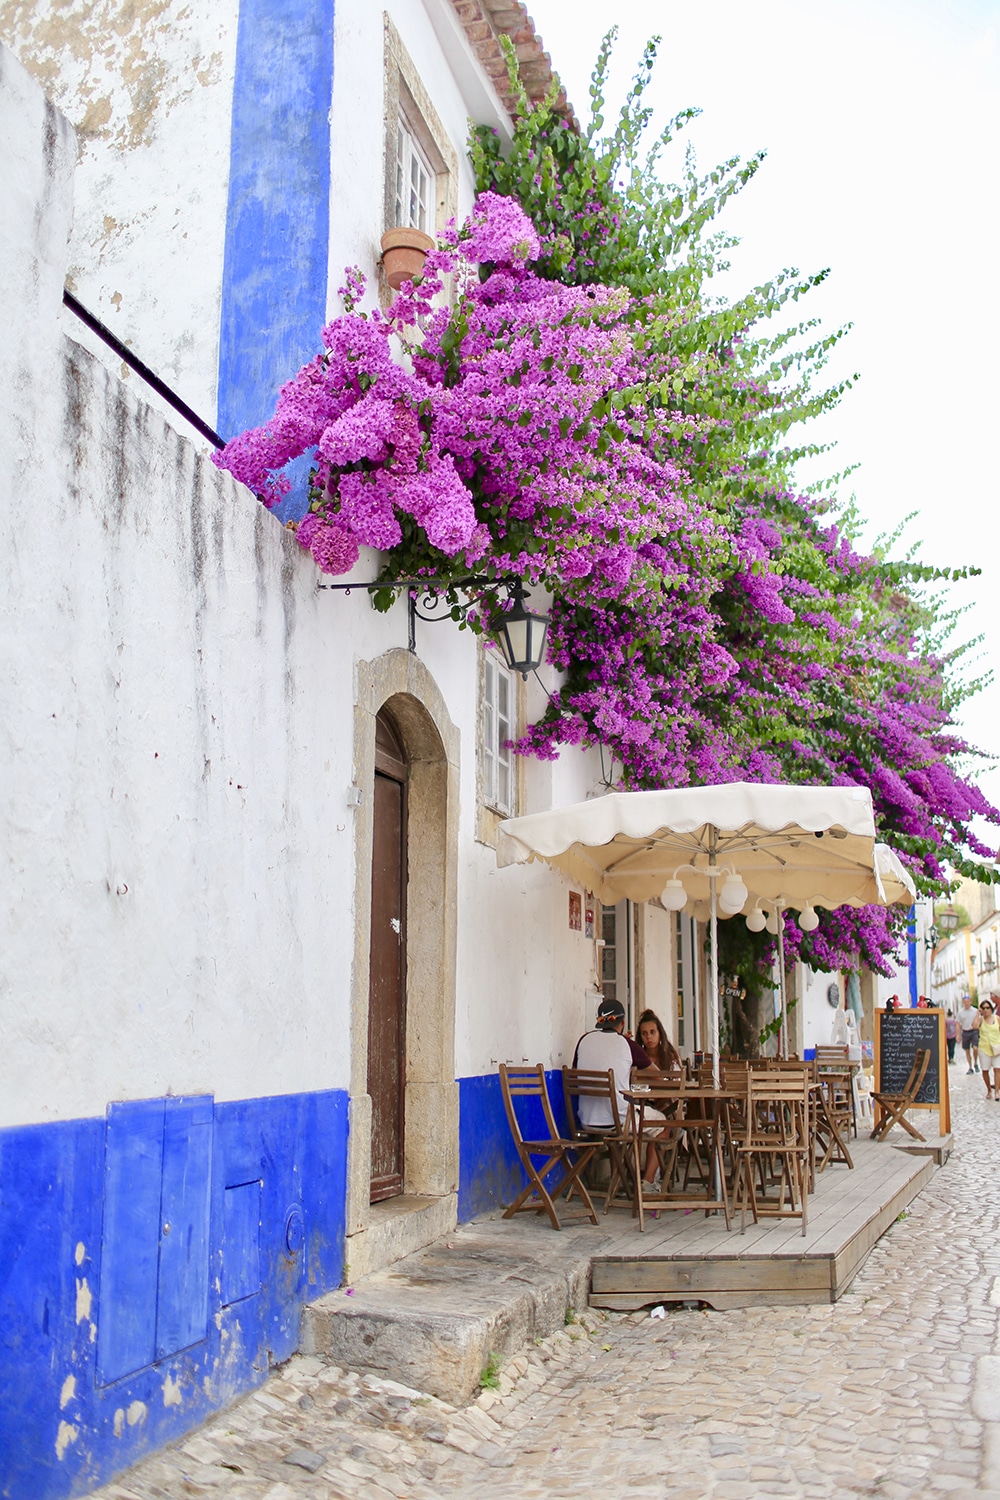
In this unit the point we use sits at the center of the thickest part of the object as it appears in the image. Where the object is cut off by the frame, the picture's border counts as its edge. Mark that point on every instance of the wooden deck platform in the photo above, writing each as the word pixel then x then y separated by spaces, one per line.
pixel 685 1256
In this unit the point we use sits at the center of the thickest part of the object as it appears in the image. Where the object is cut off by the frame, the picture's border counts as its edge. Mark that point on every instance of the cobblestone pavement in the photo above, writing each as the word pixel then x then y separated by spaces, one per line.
pixel 877 1395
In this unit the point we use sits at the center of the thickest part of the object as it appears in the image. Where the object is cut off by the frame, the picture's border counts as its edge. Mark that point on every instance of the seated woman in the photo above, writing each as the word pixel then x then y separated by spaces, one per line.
pixel 656 1044
pixel 664 1058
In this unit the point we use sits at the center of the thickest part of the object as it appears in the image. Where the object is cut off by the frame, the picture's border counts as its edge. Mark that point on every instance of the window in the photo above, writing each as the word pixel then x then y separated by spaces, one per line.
pixel 617 954
pixel 421 163
pixel 414 208
pixel 497 727
pixel 609 953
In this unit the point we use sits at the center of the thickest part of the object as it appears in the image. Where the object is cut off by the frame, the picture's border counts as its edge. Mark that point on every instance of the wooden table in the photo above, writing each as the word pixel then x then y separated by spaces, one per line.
pixel 711 1124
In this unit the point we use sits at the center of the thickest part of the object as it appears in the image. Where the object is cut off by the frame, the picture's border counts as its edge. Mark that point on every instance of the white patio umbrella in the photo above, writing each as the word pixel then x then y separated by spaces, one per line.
pixel 785 845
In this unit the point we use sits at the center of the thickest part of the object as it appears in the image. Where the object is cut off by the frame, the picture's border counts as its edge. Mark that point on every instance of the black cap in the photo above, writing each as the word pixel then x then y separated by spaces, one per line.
pixel 609 1013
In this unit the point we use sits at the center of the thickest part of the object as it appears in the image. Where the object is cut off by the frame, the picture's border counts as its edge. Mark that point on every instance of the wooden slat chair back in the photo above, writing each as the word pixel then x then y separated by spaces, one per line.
pixel 556 1152
pixel 664 1137
pixel 734 1078
pixel 776 1145
pixel 784 1065
pixel 828 1055
pixel 894 1106
pixel 614 1139
pixel 837 1081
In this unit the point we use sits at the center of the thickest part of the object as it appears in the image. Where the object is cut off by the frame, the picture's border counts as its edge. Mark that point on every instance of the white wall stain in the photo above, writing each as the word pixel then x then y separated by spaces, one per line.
pixel 81 1251
pixel 84 1298
pixel 68 1392
pixel 172 1392
pixel 149 87
pixel 119 1421
pixel 136 1413
pixel 67 1434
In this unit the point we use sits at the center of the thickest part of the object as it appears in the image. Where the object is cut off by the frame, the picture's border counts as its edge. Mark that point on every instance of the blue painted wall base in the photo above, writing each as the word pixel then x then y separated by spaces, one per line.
pixel 490 1175
pixel 274 1182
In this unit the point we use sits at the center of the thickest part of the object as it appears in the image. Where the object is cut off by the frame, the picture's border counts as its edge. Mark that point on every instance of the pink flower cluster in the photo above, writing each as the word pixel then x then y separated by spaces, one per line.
pixel 702 638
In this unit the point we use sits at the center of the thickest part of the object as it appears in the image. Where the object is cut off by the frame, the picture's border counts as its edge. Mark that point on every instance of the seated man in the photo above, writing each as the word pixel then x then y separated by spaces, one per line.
pixel 603 1049
pixel 600 1050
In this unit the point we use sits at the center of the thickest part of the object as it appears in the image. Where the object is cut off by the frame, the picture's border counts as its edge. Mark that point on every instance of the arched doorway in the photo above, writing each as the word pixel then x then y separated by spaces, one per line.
pixel 387 961
pixel 406 762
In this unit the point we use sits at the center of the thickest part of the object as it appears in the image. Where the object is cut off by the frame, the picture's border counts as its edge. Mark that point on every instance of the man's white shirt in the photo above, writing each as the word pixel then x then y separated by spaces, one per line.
pixel 601 1050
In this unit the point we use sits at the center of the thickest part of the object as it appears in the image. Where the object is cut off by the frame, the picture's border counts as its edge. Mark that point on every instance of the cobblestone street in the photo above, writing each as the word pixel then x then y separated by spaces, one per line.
pixel 883 1394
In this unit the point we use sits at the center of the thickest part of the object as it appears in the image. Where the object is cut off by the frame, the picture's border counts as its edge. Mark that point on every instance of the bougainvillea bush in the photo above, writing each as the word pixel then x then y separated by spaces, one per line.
pixel 622 449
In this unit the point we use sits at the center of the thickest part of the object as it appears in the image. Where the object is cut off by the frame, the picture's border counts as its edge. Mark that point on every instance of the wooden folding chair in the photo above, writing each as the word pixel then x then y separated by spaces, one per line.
pixel 614 1139
pixel 831 1122
pixel 836 1073
pixel 894 1106
pixel 556 1152
pixel 776 1145
pixel 666 1136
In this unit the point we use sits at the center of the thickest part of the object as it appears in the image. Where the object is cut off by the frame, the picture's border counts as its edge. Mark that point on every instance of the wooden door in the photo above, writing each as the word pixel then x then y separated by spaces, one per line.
pixel 387 982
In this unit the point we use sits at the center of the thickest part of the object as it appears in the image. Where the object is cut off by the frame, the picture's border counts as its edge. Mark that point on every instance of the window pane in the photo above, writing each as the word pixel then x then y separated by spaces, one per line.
pixel 414 196
pixel 400 179
pixel 497 729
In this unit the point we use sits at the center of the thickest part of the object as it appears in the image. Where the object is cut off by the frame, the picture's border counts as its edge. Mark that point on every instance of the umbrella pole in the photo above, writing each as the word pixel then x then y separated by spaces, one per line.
pixel 783 1049
pixel 713 997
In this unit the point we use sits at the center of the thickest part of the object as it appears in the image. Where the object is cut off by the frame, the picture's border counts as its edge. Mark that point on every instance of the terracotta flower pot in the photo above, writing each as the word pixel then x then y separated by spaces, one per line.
pixel 403 254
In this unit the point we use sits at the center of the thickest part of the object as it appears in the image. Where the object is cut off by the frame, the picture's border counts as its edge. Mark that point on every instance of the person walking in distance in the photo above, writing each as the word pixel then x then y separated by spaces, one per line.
pixel 989 1047
pixel 968 1020
pixel 950 1033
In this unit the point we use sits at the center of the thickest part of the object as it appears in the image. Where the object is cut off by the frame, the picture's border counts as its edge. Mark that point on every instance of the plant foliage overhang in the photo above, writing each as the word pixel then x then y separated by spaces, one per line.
pixel 581 414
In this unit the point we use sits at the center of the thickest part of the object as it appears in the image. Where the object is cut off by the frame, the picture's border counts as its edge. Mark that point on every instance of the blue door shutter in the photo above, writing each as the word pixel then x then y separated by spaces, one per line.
pixel 133 1169
pixel 182 1297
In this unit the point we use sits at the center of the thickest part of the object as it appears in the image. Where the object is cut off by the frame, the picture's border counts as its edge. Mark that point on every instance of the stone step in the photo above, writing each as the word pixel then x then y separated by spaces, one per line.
pixel 434 1319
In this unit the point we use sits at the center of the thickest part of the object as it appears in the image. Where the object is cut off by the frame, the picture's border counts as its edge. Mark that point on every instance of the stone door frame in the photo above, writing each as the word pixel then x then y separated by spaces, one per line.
pixel 399 681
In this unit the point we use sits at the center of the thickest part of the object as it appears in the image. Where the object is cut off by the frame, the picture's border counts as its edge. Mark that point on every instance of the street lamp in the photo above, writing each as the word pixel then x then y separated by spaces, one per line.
pixel 520 633
pixel 947 918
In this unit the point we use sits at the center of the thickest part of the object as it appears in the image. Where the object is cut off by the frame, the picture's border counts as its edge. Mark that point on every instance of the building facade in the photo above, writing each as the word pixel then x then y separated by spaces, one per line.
pixel 260 965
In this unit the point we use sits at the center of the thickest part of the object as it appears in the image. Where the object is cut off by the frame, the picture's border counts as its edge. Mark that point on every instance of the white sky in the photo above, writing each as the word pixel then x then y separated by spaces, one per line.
pixel 880 122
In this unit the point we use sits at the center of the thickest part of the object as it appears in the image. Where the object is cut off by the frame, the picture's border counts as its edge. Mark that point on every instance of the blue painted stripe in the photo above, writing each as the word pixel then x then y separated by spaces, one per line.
pixel 278 214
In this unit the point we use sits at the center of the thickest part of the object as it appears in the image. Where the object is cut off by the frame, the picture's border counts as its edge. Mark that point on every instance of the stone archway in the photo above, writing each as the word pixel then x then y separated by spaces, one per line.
pixel 379 1234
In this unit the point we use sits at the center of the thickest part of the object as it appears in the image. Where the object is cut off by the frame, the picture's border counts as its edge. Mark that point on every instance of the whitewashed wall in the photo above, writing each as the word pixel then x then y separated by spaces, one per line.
pixel 149 90
pixel 178 739
pixel 817 1012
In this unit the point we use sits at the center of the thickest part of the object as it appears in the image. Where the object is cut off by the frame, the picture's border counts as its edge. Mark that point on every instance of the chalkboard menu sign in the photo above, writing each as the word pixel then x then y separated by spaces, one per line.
pixel 898 1036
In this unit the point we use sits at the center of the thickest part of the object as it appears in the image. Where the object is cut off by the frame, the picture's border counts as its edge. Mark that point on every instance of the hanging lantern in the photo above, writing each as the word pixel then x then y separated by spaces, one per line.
pixel 808 919
pixel 520 633
pixel 674 896
pixel 756 920
pixel 732 895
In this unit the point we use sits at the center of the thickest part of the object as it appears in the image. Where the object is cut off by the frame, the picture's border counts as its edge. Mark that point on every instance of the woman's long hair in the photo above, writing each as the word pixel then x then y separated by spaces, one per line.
pixel 666 1057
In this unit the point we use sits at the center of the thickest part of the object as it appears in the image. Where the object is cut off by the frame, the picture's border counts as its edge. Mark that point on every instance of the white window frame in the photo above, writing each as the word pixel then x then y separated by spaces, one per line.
pixel 416 182
pixel 498 722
